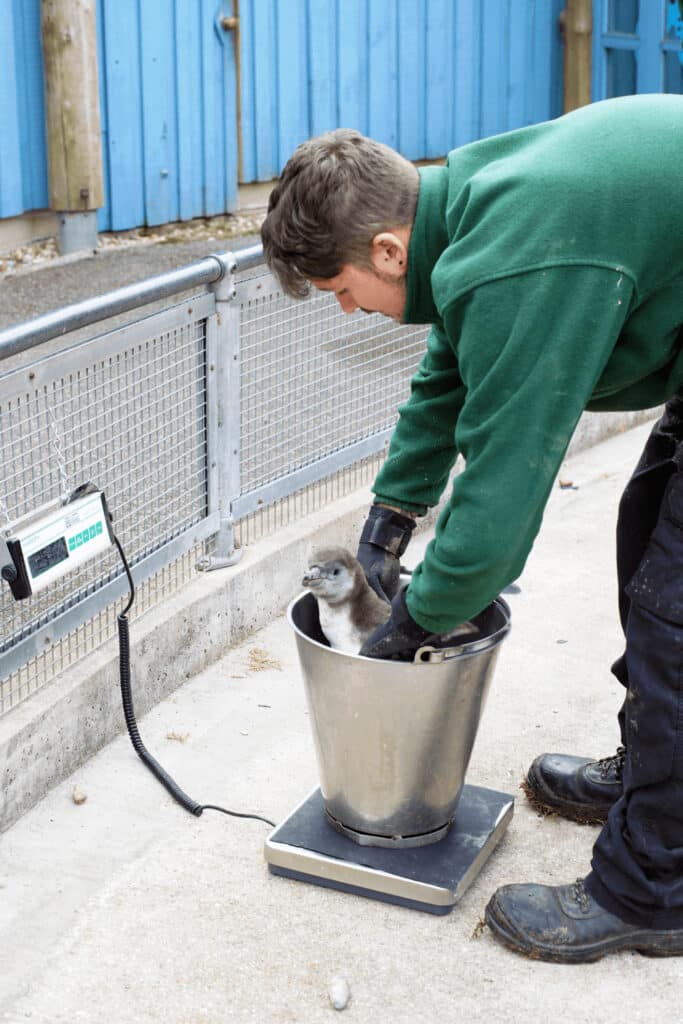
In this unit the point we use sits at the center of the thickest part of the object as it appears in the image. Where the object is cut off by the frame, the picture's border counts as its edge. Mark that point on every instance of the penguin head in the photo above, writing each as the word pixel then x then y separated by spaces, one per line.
pixel 333 574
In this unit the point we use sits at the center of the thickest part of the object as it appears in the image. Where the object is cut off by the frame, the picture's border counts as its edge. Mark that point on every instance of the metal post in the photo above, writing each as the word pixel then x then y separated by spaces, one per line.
pixel 224 426
pixel 576 25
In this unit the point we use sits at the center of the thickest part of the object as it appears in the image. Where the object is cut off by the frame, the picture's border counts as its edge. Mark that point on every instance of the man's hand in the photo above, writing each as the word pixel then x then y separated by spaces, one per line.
pixel 399 637
pixel 384 538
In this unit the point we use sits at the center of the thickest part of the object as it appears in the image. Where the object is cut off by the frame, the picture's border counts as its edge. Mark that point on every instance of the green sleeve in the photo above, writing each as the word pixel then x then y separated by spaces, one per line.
pixel 531 348
pixel 423 448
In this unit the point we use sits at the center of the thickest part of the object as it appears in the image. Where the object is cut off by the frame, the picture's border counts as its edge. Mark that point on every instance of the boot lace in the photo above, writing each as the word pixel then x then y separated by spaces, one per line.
pixel 613 763
pixel 580 895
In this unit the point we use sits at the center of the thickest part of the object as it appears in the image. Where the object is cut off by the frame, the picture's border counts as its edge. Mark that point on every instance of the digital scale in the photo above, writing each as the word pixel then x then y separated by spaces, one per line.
pixel 429 878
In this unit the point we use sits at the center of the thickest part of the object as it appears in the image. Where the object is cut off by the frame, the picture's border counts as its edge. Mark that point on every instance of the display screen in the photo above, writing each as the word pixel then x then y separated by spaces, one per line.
pixel 52 554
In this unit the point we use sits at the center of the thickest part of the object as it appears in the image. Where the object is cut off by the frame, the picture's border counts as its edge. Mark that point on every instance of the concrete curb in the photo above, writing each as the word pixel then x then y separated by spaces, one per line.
pixel 52 733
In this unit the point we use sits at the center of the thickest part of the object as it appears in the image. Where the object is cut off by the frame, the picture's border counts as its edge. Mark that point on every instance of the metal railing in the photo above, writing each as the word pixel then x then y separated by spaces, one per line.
pixel 207 423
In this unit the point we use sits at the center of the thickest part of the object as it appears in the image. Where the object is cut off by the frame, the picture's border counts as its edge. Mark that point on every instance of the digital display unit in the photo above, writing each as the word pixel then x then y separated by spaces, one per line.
pixel 51 554
pixel 41 546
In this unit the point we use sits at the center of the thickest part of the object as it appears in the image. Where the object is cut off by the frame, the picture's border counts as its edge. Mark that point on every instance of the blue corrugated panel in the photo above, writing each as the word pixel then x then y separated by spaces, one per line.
pixel 218 111
pixel 248 110
pixel 412 33
pixel 11 200
pixel 597 52
pixel 467 64
pixel 495 67
pixel 439 84
pixel 211 113
pixel 422 75
pixel 124 114
pixel 352 37
pixel 23 164
pixel 188 76
pixel 31 104
pixel 519 67
pixel 544 72
pixel 226 42
pixel 170 102
pixel 322 75
pixel 650 65
pixel 292 76
pixel 265 97
pixel 159 115
pixel 383 76
pixel 103 214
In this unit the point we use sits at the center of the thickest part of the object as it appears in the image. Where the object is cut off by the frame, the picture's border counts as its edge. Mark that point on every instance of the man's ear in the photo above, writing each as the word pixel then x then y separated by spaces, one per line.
pixel 389 253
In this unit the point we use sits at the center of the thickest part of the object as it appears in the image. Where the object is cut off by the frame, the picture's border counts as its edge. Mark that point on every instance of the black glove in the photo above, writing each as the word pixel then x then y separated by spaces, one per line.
pixel 383 540
pixel 399 637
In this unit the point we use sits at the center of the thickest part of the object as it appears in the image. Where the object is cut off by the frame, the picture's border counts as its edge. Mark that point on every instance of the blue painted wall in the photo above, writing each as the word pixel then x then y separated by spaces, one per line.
pixel 422 75
pixel 168 87
pixel 23 158
pixel 168 111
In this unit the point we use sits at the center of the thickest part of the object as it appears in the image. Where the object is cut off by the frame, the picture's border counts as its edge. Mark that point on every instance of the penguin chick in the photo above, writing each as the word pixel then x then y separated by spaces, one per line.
pixel 348 608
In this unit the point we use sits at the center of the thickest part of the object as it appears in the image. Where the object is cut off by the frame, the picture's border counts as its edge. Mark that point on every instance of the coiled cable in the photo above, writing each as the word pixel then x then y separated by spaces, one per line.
pixel 131 724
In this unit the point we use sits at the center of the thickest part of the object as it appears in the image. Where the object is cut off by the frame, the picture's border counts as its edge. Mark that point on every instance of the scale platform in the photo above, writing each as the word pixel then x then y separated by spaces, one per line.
pixel 429 878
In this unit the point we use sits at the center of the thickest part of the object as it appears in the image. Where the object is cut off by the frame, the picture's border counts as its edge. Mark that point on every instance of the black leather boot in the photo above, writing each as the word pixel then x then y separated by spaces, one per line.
pixel 564 924
pixel 575 787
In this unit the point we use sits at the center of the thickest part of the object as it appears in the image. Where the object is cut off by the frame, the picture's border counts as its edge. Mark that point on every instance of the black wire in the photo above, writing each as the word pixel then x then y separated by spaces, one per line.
pixel 236 814
pixel 131 724
pixel 128 574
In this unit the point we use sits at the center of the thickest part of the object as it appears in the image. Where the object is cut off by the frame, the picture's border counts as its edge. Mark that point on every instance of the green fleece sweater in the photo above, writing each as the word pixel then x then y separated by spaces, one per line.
pixel 549 261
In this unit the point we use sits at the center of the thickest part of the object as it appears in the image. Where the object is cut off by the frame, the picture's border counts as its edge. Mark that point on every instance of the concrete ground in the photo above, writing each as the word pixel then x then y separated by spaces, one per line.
pixel 124 908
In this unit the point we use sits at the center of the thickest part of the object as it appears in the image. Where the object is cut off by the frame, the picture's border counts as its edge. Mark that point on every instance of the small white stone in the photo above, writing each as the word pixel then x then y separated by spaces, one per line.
pixel 339 993
pixel 79 796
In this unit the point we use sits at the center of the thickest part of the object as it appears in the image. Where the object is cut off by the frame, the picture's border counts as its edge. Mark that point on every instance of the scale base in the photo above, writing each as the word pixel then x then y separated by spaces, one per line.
pixel 428 878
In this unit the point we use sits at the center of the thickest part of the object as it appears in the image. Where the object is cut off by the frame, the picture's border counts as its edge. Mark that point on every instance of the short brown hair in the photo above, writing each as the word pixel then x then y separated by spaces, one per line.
pixel 335 194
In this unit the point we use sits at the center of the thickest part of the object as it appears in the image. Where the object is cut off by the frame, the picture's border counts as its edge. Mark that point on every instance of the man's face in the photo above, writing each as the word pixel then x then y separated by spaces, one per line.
pixel 367 289
pixel 379 288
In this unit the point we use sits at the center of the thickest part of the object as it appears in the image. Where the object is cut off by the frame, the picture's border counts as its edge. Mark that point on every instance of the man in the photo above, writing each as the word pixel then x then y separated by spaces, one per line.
pixel 549 262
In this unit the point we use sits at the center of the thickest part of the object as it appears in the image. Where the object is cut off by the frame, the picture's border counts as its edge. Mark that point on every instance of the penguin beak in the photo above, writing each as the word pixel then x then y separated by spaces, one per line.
pixel 312 576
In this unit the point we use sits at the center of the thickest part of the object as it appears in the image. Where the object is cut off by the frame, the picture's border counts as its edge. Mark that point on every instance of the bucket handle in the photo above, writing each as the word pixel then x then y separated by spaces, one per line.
pixel 435 655
pixel 429 655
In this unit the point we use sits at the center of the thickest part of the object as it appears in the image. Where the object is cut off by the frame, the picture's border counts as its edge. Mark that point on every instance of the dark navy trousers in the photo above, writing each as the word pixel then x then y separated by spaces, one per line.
pixel 637 864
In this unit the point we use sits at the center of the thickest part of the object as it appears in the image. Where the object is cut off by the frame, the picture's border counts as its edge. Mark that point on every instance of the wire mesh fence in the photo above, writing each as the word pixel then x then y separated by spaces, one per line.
pixel 326 383
pixel 132 409
pixel 127 411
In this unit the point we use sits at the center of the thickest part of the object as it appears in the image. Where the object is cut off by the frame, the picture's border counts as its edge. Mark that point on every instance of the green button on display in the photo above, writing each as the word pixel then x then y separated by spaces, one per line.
pixel 90 533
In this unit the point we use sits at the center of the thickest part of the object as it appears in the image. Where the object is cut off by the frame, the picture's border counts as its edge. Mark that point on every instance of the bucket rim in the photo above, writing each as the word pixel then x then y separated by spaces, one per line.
pixel 465 650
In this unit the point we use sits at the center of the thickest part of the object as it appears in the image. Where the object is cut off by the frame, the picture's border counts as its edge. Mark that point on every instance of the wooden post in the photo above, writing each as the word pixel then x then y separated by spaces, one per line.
pixel 73 115
pixel 576 24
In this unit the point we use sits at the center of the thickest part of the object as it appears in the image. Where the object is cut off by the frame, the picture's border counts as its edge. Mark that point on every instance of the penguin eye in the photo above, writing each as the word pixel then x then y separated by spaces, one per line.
pixel 335 572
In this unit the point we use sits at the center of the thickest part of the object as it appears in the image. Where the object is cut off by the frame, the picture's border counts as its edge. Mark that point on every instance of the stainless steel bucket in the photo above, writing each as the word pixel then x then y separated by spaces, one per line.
pixel 394 739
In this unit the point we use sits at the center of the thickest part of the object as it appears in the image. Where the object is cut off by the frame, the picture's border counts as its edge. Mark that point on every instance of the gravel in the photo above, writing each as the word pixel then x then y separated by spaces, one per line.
pixel 46 250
